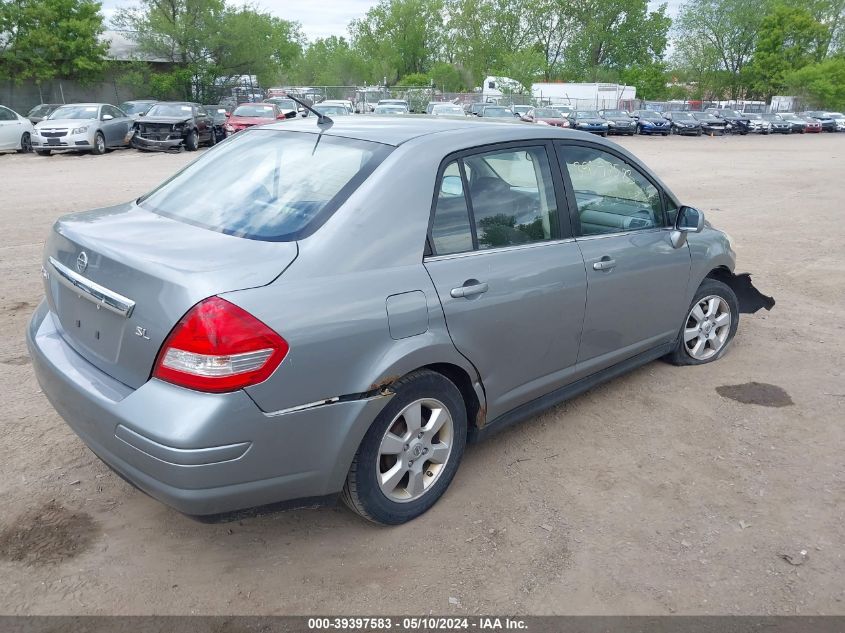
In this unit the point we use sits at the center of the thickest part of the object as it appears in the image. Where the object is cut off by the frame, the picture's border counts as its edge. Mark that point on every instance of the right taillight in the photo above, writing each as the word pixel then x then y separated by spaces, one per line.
pixel 219 347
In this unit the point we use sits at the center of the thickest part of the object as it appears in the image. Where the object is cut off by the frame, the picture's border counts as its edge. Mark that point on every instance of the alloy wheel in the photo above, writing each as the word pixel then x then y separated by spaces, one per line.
pixel 707 327
pixel 414 450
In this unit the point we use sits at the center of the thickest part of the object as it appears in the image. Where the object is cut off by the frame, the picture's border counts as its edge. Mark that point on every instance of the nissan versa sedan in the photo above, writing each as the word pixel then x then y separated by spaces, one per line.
pixel 92 127
pixel 650 122
pixel 224 342
pixel 683 123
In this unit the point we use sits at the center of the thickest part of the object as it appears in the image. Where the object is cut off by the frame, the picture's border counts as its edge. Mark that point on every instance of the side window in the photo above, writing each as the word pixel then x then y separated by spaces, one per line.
pixel 612 196
pixel 201 112
pixel 451 232
pixel 512 196
pixel 111 111
pixel 7 115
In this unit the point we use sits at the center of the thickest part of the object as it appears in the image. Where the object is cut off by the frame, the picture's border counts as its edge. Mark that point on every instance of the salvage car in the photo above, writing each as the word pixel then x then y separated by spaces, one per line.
pixel 826 119
pixel 138 108
pixel 757 123
pixel 173 126
pixel 447 109
pixel 247 115
pixel 812 125
pixel 710 124
pixel 219 117
pixel 683 123
pixel 650 122
pixel 42 111
pixel 91 127
pixel 390 109
pixel 286 105
pixel 495 112
pixel 588 121
pixel 619 122
pixel 15 131
pixel 839 119
pixel 797 123
pixel 735 123
pixel 547 116
pixel 332 110
pixel 778 124
pixel 223 342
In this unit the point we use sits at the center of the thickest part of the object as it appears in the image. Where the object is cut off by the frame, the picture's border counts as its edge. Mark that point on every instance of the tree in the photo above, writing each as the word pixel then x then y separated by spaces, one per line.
pixel 728 31
pixel 615 35
pixel 790 38
pixel 822 84
pixel 449 77
pixel 523 66
pixel 46 39
pixel 415 79
pixel 211 43
pixel 399 36
pixel 649 79
pixel 331 62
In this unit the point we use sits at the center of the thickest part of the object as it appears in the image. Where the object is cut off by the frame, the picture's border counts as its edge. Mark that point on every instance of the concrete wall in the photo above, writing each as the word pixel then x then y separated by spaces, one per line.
pixel 21 97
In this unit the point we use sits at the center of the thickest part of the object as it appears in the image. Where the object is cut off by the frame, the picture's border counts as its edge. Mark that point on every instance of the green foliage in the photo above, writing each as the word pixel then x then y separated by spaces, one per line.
pixel 524 66
pixel 822 84
pixel 449 78
pixel 331 62
pixel 210 43
pixel 47 39
pixel 790 38
pixel 720 35
pixel 414 79
pixel 649 79
pixel 399 37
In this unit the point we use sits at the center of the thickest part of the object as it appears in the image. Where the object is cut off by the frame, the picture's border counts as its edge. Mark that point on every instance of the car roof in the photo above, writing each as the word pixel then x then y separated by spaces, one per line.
pixel 393 131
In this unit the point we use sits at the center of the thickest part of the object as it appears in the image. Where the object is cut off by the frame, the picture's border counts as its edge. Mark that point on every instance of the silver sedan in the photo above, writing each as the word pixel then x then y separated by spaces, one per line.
pixel 93 127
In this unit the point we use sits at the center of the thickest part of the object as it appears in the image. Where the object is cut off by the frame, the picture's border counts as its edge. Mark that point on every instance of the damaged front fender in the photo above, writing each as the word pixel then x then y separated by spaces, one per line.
pixel 750 299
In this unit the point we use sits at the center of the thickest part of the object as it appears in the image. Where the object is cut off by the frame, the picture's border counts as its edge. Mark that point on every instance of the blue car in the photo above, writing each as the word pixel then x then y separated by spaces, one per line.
pixel 650 122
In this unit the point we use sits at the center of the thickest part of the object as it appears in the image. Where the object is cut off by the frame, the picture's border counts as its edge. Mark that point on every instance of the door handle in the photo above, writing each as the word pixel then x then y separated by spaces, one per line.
pixel 469 290
pixel 605 263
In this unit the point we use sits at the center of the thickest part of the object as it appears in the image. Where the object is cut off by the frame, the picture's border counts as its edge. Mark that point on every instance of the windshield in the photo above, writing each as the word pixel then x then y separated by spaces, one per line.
pixel 496 112
pixel 256 110
pixel 440 109
pixel 546 113
pixel 75 112
pixel 42 110
pixel 649 114
pixel 730 113
pixel 390 109
pixel 771 117
pixel 835 115
pixel 753 116
pixel 171 110
pixel 331 109
pixel 587 114
pixel 267 185
pixel 704 116
pixel 616 113
pixel 130 107
pixel 285 104
pixel 682 116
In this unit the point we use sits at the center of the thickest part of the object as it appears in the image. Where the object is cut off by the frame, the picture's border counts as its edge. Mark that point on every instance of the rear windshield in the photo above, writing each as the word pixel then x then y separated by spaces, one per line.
pixel 267 185
pixel 256 110
pixel 171 110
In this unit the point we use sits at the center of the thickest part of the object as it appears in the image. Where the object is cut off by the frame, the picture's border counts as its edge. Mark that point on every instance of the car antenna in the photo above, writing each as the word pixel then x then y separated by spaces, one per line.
pixel 322 119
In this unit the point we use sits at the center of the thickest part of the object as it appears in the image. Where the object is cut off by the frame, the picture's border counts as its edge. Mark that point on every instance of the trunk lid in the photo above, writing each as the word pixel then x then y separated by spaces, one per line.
pixel 143 273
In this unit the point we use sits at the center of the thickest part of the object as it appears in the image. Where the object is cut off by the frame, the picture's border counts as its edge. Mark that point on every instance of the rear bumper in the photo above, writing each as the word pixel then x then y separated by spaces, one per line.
pixel 203 454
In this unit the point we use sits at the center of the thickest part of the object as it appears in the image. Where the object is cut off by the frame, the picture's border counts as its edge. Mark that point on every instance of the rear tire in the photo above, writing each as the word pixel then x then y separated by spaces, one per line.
pixel 709 326
pixel 411 451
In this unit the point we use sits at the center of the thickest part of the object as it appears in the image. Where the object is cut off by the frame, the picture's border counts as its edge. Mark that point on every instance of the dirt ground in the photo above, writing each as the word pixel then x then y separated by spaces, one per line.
pixel 652 494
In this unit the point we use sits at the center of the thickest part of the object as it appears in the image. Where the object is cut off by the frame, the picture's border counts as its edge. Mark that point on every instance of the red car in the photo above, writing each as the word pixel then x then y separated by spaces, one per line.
pixel 547 116
pixel 249 114
pixel 814 126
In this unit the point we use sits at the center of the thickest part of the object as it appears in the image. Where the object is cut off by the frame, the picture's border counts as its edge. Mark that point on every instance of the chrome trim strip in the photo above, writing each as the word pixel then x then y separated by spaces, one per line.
pixel 323 403
pixel 500 249
pixel 94 292
pixel 600 236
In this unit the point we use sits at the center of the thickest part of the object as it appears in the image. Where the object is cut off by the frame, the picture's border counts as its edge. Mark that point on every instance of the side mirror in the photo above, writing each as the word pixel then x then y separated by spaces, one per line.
pixel 289 115
pixel 107 117
pixel 228 114
pixel 689 220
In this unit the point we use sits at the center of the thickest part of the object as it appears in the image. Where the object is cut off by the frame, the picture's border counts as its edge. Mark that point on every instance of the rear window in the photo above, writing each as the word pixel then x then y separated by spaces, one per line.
pixel 267 185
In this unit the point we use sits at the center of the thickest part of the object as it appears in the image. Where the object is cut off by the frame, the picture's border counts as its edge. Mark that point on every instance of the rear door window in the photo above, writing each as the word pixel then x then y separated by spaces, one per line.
pixel 451 231
pixel 266 184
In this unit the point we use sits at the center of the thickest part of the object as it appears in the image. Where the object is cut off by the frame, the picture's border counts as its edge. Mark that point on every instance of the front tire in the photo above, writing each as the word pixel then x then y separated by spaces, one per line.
pixel 26 143
pixel 709 327
pixel 410 453
pixel 99 144
pixel 192 143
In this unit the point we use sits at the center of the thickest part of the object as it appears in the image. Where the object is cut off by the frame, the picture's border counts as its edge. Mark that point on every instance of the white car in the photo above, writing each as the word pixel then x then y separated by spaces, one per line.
pixel 93 127
pixel 15 131
pixel 346 103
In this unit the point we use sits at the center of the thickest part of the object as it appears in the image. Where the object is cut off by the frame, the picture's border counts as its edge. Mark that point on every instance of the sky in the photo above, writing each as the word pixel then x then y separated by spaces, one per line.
pixel 320 18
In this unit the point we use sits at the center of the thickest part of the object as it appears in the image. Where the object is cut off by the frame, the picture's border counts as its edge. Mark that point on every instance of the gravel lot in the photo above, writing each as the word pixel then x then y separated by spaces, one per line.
pixel 652 494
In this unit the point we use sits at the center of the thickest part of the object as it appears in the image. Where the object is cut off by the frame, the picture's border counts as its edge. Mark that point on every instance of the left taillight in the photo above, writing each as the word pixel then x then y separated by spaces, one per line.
pixel 219 347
